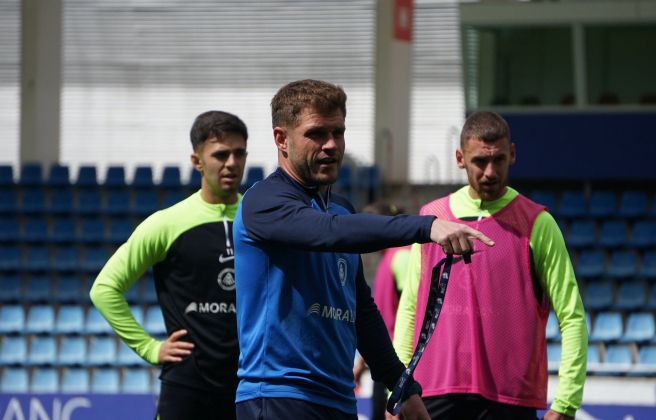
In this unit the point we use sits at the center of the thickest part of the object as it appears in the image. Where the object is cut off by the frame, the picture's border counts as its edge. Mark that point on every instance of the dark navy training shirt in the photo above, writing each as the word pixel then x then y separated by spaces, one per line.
pixel 303 306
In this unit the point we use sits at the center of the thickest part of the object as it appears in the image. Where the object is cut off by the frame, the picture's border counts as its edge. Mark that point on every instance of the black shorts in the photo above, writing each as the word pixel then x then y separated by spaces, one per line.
pixel 475 407
pixel 181 402
pixel 288 408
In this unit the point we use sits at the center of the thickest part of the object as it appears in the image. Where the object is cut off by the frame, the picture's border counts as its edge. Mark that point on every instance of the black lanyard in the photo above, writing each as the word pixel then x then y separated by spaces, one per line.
pixel 438 285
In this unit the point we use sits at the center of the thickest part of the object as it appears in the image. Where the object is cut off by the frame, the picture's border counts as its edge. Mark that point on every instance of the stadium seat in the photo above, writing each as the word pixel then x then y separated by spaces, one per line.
pixel 137 313
pixel 36 260
pixel 115 177
pixel 33 202
pixel 13 351
pixel 102 351
pixel 194 180
pixel 70 320
pixel 607 327
pixel 35 230
pixel 648 265
pixel 145 203
pixel 143 177
pixel 643 234
pixel 582 233
pixel 590 264
pixel 253 174
pixel 10 258
pixel 631 296
pixel 603 204
pixel 60 203
pixel 12 319
pixel 6 176
pixel 8 202
pixel 588 322
pixel 633 204
pixel 553 357
pixel 10 289
pixel 105 381
pixel 149 293
pixel 95 324
pixel 63 231
pixel 154 321
pixel 639 328
pixel 87 177
pixel 14 380
pixel 172 197
pixel 572 204
pixel 75 381
pixel 613 234
pixel 40 319
pixel 594 357
pixel 553 330
pixel 646 363
pixel 88 203
pixel 91 231
pixel 618 360
pixel 117 203
pixel 72 351
pixel 119 231
pixel 58 177
pixel 344 183
pixel 622 264
pixel 170 178
pixel 44 381
pixel 38 289
pixel 133 294
pixel 547 199
pixel 68 290
pixel 127 357
pixel 43 351
pixel 9 231
pixel 65 259
pixel 135 381
pixel 93 259
pixel 31 175
pixel 598 295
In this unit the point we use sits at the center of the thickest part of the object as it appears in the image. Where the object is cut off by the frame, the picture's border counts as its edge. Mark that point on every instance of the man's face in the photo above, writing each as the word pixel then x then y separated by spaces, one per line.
pixel 221 163
pixel 486 164
pixel 312 151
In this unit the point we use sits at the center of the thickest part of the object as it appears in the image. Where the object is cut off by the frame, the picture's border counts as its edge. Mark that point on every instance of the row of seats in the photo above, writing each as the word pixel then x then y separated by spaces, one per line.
pixel 588 233
pixel 611 327
pixel 71 319
pixel 614 359
pixel 631 295
pixel 66 258
pixel 600 204
pixel 79 380
pixel 65 230
pixel 622 264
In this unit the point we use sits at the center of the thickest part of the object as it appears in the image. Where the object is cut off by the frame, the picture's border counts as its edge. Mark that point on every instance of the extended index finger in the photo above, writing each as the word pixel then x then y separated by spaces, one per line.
pixel 481 237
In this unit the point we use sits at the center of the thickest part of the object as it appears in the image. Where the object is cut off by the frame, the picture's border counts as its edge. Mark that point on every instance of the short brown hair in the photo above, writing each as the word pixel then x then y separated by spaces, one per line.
pixel 484 125
pixel 294 97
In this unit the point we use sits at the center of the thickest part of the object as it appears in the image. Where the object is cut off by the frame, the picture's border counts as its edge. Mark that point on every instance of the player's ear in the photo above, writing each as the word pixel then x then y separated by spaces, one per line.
pixel 196 161
pixel 460 159
pixel 280 138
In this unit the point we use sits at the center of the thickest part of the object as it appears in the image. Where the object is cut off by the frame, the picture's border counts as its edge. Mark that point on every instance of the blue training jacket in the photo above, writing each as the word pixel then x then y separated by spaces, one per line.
pixel 303 305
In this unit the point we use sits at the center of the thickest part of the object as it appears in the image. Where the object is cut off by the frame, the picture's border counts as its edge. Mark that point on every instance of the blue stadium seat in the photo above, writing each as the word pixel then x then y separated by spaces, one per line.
pixel 194 180
pixel 10 258
pixel 253 174
pixel 10 289
pixel 553 330
pixel 91 231
pixel 12 319
pixel 172 197
pixel 643 234
pixel 8 202
pixel 607 327
pixel 594 356
pixel 633 204
pixel 102 351
pixel 631 296
pixel 31 175
pixel 33 202
pixel 93 259
pixel 9 231
pixel 622 264
pixel 43 351
pixel 14 380
pixel 63 231
pixel 68 290
pixel 572 204
pixel 598 295
pixel 135 381
pixel 639 328
pixel 143 177
pixel 72 351
pixel 368 179
pixel 95 324
pixel 70 320
pixel 651 299
pixel 603 204
pixel 13 351
pixel 117 203
pixel 59 177
pixel 75 381
pixel 6 176
pixel 44 381
pixel 149 294
pixel 613 234
pixel 344 183
pixel 646 363
pixel 582 233
pixel 145 203
pixel 137 313
pixel 119 231
pixel 36 260
pixel 38 289
pixel 65 259
pixel 60 203
pixel 133 294
pixel 648 265
pixel 35 230
pixel 40 319
pixel 618 360
pixel 171 177
pixel 588 322
pixel 154 321
pixel 590 264
pixel 127 357
pixel 87 177
pixel 554 352
pixel 88 203
pixel 105 381
pixel 115 177
pixel 547 199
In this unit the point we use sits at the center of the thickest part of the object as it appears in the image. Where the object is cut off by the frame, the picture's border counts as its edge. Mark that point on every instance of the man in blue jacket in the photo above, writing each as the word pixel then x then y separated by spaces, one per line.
pixel 303 306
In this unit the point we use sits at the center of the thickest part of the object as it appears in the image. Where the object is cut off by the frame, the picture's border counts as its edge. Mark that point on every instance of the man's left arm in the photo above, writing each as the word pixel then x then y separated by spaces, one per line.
pixel 554 267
